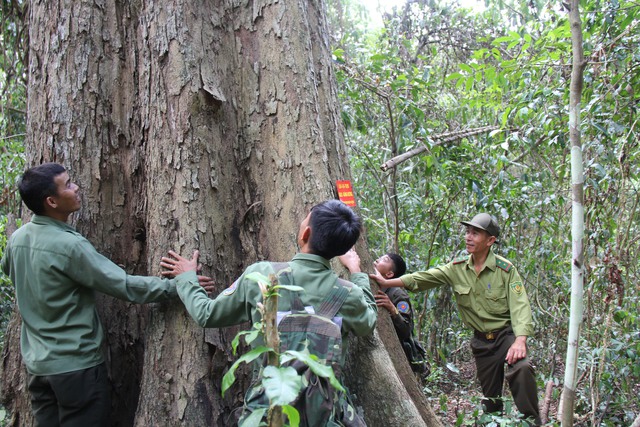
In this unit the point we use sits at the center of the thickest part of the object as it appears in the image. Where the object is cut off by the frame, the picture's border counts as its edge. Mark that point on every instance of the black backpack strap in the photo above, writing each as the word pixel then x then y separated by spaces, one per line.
pixel 286 278
pixel 332 303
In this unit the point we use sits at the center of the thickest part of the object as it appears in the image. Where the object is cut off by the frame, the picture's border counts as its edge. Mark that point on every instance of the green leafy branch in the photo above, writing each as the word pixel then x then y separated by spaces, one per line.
pixel 282 384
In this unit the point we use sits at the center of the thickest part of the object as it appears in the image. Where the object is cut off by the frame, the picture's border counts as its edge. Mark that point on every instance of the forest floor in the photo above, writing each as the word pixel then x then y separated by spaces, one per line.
pixel 456 396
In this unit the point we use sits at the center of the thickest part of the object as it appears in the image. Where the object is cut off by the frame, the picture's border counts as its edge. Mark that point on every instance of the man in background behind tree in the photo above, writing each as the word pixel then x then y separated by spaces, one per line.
pixel 397 302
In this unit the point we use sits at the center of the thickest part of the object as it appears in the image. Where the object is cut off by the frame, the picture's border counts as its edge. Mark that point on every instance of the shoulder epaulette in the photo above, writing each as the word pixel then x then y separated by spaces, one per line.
pixel 460 259
pixel 503 264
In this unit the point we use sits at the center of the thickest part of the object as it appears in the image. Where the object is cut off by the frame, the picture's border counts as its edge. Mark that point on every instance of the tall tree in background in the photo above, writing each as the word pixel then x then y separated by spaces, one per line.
pixel 577 223
pixel 192 124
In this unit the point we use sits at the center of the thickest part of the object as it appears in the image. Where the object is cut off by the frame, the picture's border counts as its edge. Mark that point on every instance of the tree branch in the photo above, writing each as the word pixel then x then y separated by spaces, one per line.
pixel 441 138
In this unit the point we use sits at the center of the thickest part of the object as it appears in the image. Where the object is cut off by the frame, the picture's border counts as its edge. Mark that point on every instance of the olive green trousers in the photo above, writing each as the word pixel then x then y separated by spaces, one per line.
pixel 492 367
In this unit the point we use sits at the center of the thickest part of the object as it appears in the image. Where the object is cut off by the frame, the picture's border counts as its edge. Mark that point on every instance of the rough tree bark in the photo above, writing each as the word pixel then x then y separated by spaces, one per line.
pixel 209 125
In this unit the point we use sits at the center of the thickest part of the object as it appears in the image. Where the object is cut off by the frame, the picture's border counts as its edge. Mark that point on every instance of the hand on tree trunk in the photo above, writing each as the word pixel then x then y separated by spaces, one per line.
pixel 382 300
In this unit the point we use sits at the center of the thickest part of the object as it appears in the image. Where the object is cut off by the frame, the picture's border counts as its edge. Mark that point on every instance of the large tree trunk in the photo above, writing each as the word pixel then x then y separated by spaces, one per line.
pixel 209 125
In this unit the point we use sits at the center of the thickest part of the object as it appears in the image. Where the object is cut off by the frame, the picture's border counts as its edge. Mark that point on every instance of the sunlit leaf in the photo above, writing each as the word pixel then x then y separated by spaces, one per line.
pixel 282 385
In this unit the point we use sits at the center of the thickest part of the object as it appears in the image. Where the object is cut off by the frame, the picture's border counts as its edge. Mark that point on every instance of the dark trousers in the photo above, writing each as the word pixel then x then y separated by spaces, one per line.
pixel 490 363
pixel 74 399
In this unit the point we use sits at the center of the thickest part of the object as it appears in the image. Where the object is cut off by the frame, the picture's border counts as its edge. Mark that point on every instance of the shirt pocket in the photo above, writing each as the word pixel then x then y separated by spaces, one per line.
pixel 463 295
pixel 495 300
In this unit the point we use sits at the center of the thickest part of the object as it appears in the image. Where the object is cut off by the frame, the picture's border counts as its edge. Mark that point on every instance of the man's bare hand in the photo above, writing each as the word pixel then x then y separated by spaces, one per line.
pixel 518 350
pixel 351 260
pixel 207 283
pixel 382 300
pixel 378 278
pixel 176 265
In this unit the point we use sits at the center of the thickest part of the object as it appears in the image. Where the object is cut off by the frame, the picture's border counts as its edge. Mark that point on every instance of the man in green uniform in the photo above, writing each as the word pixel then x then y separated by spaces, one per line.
pixel 56 272
pixel 397 302
pixel 492 300
pixel 329 230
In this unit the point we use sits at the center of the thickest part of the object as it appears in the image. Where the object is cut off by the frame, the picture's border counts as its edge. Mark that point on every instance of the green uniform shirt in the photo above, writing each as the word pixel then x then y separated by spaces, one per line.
pixel 487 302
pixel 56 272
pixel 237 304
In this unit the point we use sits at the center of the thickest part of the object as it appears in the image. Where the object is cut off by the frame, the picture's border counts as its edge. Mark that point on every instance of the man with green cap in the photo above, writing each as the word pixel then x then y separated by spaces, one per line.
pixel 492 300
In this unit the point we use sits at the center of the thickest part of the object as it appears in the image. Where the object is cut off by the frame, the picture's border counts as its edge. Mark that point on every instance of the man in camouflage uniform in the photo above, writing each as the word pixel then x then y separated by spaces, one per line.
pixel 492 300
pixel 330 229
pixel 397 302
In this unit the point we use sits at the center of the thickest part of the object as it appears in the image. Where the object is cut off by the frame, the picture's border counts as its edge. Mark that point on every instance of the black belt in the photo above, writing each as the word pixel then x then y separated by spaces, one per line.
pixel 489 336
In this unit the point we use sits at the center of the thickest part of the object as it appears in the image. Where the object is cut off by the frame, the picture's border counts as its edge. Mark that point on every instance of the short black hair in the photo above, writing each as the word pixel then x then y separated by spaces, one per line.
pixel 399 266
pixel 37 184
pixel 335 228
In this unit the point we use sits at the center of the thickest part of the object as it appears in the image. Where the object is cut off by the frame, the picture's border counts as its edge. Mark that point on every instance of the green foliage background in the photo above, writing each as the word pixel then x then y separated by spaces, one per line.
pixel 435 68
